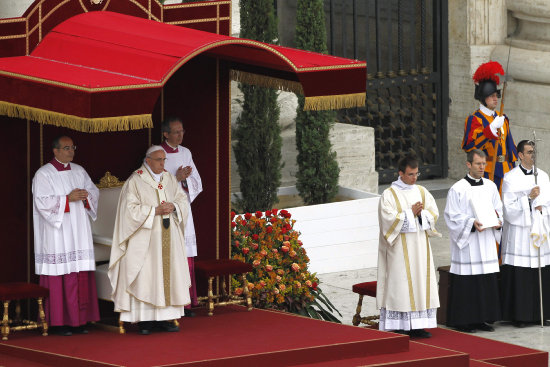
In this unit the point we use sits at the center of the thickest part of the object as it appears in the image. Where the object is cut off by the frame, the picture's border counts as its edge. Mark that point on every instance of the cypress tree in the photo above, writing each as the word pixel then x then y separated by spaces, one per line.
pixel 318 171
pixel 258 133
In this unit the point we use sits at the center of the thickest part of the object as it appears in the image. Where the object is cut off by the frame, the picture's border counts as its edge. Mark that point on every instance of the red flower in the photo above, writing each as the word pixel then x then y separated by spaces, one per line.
pixel 237 243
pixel 247 216
pixel 283 230
pixel 269 229
pixel 233 224
pixel 233 214
pixel 284 248
pixel 285 213
pixel 245 250
pixel 254 246
pixel 299 243
pixel 255 237
pixel 273 220
pixel 286 238
pixel 259 214
pixel 243 222
pixel 274 211
pixel 268 213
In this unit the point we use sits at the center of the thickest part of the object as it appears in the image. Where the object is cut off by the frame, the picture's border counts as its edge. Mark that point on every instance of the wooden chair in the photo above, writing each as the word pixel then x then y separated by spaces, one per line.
pixel 364 289
pixel 209 269
pixel 15 292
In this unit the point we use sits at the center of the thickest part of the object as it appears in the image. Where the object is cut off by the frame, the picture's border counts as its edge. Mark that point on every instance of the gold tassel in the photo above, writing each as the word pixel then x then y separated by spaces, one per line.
pixel 266 81
pixel 87 125
pixel 334 102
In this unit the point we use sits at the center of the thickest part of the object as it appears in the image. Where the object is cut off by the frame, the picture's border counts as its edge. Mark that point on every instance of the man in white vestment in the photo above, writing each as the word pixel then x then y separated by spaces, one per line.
pixel 473 285
pixel 64 198
pixel 179 162
pixel 148 267
pixel 407 293
pixel 525 231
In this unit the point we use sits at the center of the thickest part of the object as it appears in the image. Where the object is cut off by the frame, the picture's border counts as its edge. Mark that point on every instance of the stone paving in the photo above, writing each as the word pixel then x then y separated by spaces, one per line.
pixel 337 286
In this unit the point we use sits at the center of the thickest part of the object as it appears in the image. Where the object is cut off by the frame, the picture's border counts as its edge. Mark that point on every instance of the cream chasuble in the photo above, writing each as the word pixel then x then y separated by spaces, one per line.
pixel 406 274
pixel 525 229
pixel 148 269
pixel 62 241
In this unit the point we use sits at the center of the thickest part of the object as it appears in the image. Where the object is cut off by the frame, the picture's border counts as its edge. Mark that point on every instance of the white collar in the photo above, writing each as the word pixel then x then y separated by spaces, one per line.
pixel 401 185
pixel 64 164
pixel 486 111
pixel 170 145
pixel 156 176
pixel 473 179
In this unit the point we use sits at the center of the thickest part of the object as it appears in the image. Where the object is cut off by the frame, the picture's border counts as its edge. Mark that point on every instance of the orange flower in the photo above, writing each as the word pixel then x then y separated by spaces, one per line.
pixel 294 266
pixel 256 263
pixel 282 287
pixel 292 253
pixel 250 286
pixel 238 291
pixel 284 249
pixel 268 267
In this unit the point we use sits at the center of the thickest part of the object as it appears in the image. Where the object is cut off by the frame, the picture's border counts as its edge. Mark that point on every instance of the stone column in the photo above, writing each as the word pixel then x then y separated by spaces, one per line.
pixel 478 32
pixel 476 27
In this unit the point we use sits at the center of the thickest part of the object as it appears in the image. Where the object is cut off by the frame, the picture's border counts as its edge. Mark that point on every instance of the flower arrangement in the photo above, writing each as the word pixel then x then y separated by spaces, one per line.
pixel 280 278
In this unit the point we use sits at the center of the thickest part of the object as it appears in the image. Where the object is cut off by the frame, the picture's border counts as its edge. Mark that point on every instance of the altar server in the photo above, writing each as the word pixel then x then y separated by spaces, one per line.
pixel 148 267
pixel 179 162
pixel 64 198
pixel 407 293
pixel 473 288
pixel 526 229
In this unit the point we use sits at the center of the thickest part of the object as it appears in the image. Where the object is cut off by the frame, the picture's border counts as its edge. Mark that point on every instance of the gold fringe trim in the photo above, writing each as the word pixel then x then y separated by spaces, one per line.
pixel 266 81
pixel 87 125
pixel 335 102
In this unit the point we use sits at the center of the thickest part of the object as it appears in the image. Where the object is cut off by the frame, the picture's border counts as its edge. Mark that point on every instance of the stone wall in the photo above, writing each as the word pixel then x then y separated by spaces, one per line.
pixel 13 8
pixel 478 32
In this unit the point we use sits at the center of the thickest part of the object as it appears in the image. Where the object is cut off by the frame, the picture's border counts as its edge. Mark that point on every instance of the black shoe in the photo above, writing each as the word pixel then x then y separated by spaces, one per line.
pixel 485 327
pixel 466 329
pixel 61 330
pixel 420 333
pixel 145 327
pixel 79 329
pixel 519 324
pixel 167 326
pixel 189 313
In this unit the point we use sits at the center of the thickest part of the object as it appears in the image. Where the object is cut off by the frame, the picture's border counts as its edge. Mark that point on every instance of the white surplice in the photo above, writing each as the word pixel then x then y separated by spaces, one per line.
pixel 183 158
pixel 62 241
pixel 407 292
pixel 138 260
pixel 525 228
pixel 472 253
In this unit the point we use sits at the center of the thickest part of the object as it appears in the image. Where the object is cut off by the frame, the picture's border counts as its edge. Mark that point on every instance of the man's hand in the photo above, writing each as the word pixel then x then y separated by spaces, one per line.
pixel 498 122
pixel 183 172
pixel 539 208
pixel 164 208
pixel 478 225
pixel 78 194
pixel 499 226
pixel 534 193
pixel 417 208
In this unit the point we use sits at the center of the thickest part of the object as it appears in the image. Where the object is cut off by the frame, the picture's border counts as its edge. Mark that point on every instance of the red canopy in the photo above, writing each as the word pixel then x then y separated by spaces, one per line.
pixel 103 71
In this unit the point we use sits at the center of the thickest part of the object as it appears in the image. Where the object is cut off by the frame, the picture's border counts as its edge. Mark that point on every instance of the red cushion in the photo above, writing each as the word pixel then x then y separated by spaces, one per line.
pixel 366 289
pixel 21 290
pixel 212 268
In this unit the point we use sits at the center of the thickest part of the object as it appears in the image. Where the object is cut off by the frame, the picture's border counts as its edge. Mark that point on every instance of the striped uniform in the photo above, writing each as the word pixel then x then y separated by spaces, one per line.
pixel 478 135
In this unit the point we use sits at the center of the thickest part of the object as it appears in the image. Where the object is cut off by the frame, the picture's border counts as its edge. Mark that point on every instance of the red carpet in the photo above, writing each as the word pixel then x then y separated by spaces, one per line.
pixel 488 350
pixel 236 337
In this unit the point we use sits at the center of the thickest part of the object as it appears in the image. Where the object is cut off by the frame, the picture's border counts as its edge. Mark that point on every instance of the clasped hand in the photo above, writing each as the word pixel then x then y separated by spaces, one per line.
pixel 164 208
pixel 417 208
pixel 78 194
pixel 183 172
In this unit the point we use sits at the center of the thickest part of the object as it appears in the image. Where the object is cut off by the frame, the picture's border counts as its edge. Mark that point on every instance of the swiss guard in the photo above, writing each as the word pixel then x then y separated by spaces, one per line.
pixel 489 130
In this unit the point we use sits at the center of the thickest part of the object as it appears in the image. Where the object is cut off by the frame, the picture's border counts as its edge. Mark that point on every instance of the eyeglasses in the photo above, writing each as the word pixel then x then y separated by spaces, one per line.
pixel 68 147
pixel 413 174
